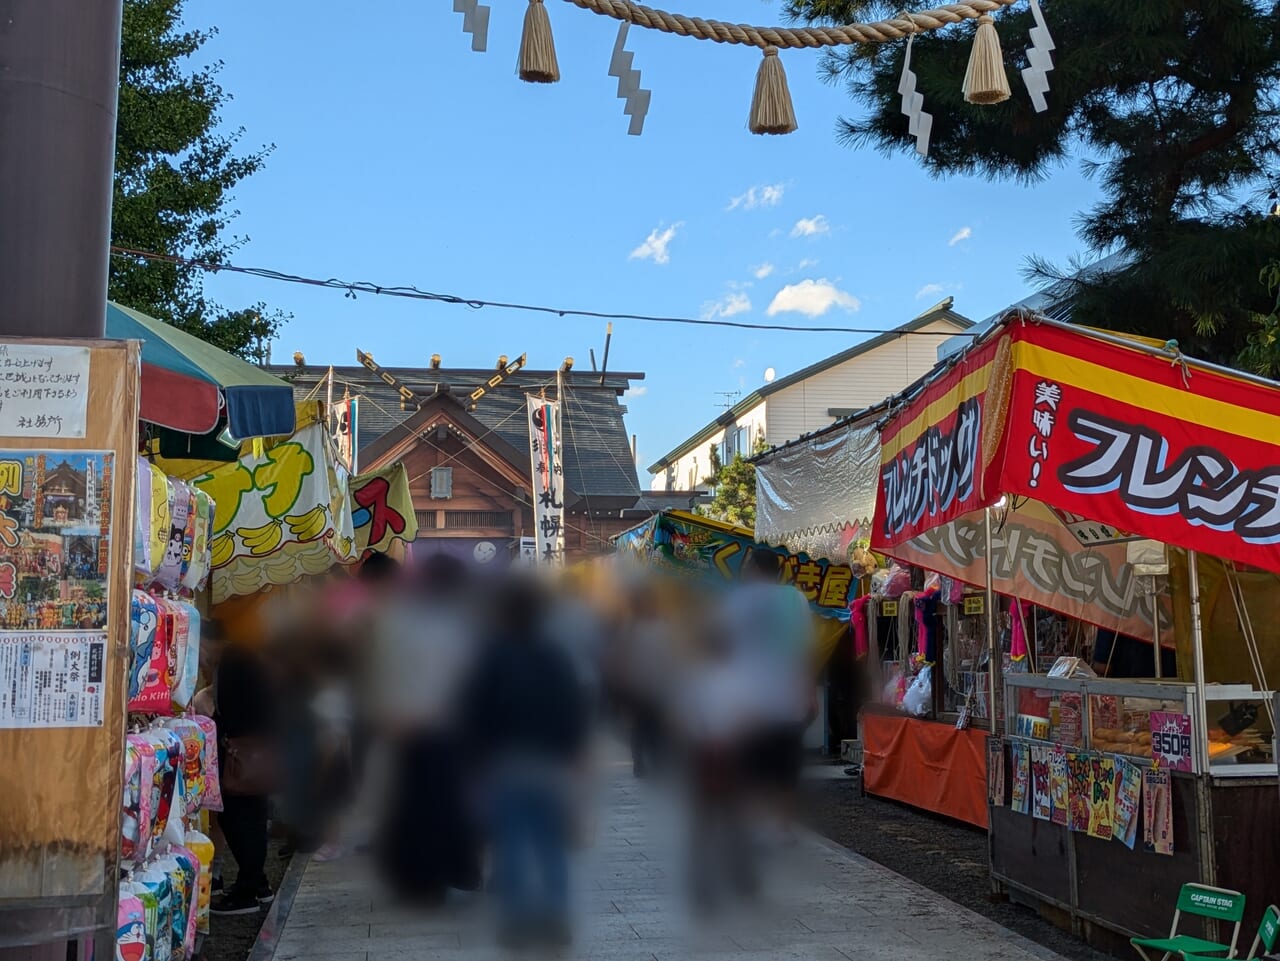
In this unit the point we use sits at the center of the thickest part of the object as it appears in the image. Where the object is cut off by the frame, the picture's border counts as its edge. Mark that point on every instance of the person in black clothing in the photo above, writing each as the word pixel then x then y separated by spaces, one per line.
pixel 528 729
pixel 244 706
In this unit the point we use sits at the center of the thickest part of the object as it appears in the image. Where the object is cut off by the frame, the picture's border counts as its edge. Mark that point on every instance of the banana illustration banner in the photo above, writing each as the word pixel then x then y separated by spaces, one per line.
pixel 282 514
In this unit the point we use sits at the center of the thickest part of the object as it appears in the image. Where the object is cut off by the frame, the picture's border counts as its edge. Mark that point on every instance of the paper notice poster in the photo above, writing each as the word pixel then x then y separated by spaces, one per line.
pixel 1059 810
pixel 44 390
pixel 995 772
pixel 1070 719
pixel 1128 800
pixel 1171 740
pixel 1102 797
pixel 1157 811
pixel 1079 787
pixel 1020 761
pixel 1040 803
pixel 53 679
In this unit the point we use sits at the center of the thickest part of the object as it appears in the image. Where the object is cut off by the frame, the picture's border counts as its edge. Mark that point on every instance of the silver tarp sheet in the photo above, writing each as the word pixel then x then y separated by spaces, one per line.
pixel 819 496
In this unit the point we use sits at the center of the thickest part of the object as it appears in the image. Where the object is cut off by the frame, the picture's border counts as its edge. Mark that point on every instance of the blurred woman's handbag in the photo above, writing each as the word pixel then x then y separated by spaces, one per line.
pixel 250 767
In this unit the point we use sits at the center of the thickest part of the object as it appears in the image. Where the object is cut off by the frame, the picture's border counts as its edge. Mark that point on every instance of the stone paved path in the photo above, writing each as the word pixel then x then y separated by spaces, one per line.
pixel 820 903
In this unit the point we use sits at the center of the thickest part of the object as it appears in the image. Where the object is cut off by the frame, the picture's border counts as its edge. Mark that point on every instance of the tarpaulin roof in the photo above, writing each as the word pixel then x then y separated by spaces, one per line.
pixel 187 384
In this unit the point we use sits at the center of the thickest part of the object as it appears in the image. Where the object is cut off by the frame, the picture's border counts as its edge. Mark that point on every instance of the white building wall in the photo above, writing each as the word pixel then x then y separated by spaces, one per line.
pixel 689 472
pixel 857 383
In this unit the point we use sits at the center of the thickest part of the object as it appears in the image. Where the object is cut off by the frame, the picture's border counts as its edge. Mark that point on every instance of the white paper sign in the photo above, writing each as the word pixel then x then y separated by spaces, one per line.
pixel 52 679
pixel 44 390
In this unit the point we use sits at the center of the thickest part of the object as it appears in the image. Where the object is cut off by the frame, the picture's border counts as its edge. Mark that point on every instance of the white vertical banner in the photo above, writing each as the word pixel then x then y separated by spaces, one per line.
pixel 548 479
pixel 343 427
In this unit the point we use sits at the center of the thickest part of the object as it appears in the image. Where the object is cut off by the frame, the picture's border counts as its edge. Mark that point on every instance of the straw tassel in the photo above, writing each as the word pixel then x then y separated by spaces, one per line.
pixel 537 46
pixel 771 109
pixel 985 82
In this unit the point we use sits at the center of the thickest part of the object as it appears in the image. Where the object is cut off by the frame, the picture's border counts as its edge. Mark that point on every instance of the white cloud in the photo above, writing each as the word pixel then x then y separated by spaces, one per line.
pixel 763 271
pixel 637 391
pixel 964 233
pixel 739 363
pixel 727 306
pixel 928 290
pixel 655 245
pixel 813 298
pixel 811 227
pixel 764 195
pixel 806 264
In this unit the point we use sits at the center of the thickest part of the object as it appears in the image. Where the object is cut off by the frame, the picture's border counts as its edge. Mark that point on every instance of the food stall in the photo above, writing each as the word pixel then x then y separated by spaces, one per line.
pixel 1106 795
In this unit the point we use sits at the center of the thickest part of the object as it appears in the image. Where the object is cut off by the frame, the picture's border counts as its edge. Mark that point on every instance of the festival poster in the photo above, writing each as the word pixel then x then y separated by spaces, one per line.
pixel 1157 811
pixel 1059 804
pixel 995 772
pixel 1102 797
pixel 1079 788
pixel 1171 740
pixel 1040 796
pixel 1019 759
pixel 1070 719
pixel 1128 800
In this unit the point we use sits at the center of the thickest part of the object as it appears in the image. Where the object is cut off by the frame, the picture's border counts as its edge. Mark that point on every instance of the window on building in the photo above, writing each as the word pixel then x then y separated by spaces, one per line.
pixel 441 483
pixel 426 520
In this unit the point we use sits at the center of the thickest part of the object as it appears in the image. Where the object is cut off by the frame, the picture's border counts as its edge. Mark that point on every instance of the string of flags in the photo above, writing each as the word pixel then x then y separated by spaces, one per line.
pixel 985 81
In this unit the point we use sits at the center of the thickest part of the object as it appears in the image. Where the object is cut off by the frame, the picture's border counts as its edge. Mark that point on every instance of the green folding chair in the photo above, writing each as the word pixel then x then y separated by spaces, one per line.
pixel 1201 901
pixel 1267 937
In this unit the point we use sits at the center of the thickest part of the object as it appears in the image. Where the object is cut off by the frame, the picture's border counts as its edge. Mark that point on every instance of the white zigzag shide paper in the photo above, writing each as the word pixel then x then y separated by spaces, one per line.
pixel 1036 76
pixel 475 21
pixel 919 123
pixel 637 100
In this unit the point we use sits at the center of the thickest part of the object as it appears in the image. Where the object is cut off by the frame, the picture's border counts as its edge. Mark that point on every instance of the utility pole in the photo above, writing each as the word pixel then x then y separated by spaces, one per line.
pixel 59 77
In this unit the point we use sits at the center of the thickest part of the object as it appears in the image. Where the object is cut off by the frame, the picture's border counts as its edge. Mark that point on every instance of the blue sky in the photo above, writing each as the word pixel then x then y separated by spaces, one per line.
pixel 402 157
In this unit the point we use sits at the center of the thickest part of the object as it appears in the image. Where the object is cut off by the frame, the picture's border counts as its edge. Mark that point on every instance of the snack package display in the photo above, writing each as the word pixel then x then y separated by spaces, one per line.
pixel 183 869
pixel 170 570
pixel 192 764
pixel 142 521
pixel 189 533
pixel 150 641
pixel 161 515
pixel 157 883
pixel 200 845
pixel 130 827
pixel 183 621
pixel 145 896
pixel 131 928
pixel 212 800
pixel 201 525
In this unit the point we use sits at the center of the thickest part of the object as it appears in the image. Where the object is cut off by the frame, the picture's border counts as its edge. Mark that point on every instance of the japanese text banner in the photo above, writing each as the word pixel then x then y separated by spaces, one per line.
pixel 545 455
pixel 1036 558
pixel 1119 436
pixel 938 454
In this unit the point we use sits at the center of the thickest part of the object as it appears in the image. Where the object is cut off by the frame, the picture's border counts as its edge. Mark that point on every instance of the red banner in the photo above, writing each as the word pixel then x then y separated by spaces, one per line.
pixel 1190 458
pixel 935 456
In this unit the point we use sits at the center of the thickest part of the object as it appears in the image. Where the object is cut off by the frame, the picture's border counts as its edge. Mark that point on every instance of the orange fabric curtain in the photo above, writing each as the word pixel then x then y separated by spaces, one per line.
pixel 927 765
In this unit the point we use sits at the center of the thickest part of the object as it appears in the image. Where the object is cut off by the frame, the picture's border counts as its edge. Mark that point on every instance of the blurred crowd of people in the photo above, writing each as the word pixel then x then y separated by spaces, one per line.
pixel 443 725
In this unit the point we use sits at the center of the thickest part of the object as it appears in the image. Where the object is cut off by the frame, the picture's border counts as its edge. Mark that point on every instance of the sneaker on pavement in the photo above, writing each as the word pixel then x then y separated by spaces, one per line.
pixel 235 902
pixel 265 895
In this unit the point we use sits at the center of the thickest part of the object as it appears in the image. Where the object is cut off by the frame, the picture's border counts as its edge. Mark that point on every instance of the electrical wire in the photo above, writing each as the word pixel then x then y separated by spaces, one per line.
pixel 351 288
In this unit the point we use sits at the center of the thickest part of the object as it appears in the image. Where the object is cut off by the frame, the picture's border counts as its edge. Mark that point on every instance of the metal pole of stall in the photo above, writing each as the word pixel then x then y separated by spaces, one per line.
pixel 1204 804
pixel 993 661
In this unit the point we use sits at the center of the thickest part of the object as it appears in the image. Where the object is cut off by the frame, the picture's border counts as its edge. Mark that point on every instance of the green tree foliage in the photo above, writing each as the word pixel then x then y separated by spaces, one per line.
pixel 175 169
pixel 735 489
pixel 1172 105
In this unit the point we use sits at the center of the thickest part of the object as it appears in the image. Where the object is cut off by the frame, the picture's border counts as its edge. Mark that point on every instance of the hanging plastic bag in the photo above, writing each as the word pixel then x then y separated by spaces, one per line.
pixel 919 696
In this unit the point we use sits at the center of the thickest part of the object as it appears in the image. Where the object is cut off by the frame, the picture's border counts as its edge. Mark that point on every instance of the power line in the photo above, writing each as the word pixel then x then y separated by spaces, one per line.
pixel 351 288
